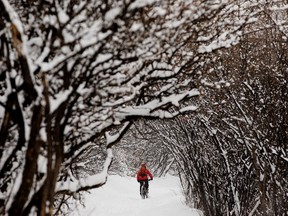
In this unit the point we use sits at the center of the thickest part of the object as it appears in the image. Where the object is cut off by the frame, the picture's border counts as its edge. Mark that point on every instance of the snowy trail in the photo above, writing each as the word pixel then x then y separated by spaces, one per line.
pixel 120 197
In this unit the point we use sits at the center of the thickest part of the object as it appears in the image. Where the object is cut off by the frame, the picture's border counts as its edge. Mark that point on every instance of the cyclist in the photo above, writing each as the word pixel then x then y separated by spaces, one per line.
pixel 142 176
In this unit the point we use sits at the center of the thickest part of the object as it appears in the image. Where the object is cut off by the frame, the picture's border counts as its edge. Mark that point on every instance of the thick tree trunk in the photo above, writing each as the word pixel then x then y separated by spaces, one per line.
pixel 30 167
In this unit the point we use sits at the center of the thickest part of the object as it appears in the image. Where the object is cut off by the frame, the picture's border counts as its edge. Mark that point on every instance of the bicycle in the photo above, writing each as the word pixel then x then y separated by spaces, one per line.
pixel 144 189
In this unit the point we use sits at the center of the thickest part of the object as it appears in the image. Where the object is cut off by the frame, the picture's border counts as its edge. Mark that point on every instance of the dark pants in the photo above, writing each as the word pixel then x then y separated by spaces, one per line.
pixel 146 184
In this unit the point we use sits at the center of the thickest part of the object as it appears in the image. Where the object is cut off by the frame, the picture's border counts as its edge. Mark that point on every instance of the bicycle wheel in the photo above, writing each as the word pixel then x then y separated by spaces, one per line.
pixel 143 191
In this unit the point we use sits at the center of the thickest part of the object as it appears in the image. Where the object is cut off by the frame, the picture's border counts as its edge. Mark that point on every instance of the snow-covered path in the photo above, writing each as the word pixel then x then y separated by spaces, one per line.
pixel 120 197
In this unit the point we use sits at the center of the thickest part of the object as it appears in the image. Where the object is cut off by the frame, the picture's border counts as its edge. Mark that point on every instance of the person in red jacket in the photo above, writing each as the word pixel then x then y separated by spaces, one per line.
pixel 142 176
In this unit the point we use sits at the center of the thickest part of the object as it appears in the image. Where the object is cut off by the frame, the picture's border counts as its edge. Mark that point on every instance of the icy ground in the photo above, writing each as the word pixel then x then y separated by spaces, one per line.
pixel 120 197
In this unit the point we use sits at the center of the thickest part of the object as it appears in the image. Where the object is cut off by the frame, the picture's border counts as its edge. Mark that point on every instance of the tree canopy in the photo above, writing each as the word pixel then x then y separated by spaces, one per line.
pixel 76 74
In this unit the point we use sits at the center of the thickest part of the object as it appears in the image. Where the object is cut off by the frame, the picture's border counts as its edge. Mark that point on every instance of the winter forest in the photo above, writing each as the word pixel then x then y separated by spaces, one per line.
pixel 194 88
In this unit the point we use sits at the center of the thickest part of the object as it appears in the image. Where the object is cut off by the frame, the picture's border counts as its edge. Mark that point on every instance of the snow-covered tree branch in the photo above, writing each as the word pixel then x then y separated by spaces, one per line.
pixel 73 71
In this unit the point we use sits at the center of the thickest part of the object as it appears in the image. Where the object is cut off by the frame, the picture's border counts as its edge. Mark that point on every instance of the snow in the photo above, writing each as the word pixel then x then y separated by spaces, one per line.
pixel 140 4
pixel 120 196
pixel 90 181
pixel 13 16
pixel 113 138
pixel 60 98
pixel 136 27
pixel 149 108
pixel 112 14
pixel 63 17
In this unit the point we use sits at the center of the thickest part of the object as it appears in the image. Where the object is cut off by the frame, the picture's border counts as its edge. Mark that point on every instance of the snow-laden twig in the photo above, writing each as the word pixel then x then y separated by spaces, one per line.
pixel 89 182
pixel 237 208
pixel 152 107
pixel 98 179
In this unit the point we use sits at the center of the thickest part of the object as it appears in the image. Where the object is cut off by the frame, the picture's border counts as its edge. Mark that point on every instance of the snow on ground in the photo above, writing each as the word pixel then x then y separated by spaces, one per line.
pixel 120 197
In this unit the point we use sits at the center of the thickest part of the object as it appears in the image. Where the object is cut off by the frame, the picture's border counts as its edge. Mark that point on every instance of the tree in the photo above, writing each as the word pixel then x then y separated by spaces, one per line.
pixel 73 72
pixel 232 153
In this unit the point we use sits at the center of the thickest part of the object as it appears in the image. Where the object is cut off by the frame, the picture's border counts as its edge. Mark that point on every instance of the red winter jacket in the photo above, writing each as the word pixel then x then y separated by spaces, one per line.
pixel 143 175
